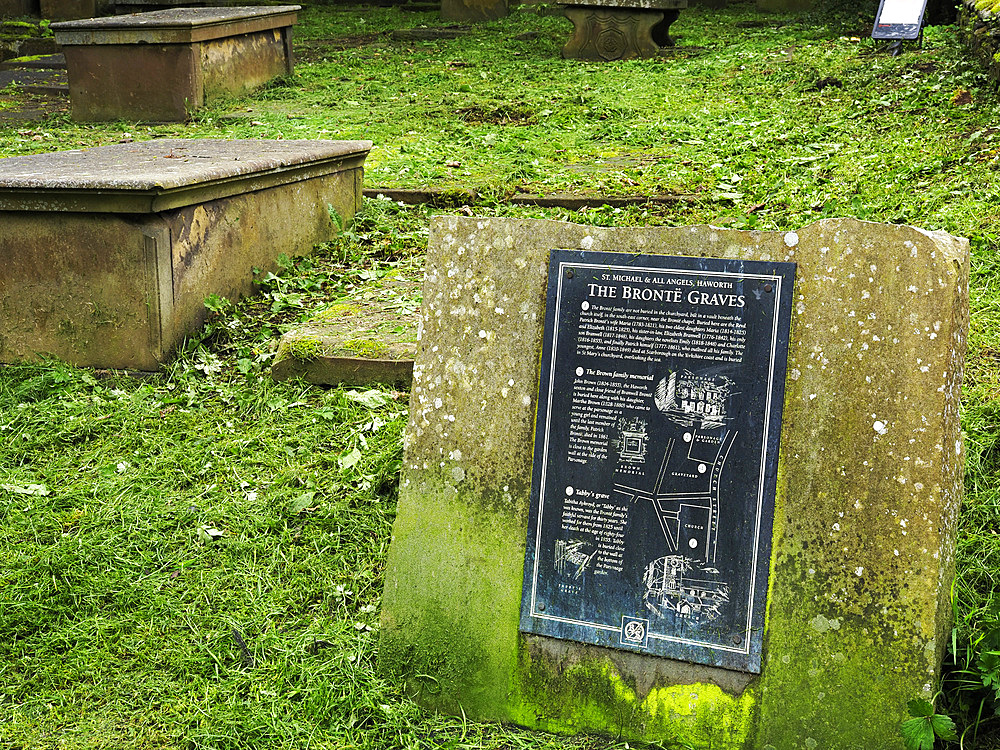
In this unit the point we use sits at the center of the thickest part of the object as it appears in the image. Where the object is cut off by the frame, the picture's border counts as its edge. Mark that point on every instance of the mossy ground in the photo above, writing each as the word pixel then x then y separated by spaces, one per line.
pixel 121 627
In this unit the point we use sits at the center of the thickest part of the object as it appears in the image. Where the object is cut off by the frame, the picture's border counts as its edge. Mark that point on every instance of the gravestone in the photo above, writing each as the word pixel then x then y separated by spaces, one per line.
pixel 109 253
pixel 792 593
pixel 162 65
pixel 366 338
pixel 619 29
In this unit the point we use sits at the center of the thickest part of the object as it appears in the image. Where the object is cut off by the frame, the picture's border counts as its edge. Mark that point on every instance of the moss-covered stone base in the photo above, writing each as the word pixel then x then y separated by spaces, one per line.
pixel 367 338
pixel 868 490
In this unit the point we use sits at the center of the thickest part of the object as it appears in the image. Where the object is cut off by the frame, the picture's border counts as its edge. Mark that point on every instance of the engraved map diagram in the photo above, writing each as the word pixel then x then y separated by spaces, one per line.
pixel 685 495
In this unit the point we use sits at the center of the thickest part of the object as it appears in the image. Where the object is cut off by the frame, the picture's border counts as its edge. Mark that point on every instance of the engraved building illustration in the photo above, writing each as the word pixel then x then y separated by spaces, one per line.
pixel 687 398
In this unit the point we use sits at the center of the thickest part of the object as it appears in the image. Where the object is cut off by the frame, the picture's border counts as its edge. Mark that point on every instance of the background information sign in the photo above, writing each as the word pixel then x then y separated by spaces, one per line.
pixel 656 453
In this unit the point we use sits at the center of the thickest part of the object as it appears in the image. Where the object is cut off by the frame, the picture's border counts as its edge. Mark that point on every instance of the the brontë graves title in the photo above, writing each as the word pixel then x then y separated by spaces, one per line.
pixel 656 454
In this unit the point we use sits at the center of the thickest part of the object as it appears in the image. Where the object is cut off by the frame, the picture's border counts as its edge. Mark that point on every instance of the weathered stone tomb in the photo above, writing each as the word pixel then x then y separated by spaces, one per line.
pixel 162 65
pixel 109 253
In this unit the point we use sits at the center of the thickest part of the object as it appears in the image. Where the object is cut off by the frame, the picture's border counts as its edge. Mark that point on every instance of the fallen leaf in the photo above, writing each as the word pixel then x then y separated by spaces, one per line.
pixel 373 399
pixel 209 534
pixel 302 502
pixel 28 489
pixel 350 459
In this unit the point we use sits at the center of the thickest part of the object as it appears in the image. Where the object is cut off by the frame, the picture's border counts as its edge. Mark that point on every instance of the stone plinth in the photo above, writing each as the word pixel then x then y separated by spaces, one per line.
pixel 620 29
pixel 162 65
pixel 109 253
pixel 869 483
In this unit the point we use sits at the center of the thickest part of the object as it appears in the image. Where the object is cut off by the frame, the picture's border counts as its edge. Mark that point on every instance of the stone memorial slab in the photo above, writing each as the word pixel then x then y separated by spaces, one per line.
pixel 162 65
pixel 366 338
pixel 867 485
pixel 110 252
pixel 656 454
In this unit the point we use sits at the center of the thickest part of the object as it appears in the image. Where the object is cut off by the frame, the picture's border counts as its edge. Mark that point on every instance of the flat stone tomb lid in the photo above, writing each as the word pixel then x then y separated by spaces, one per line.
pixel 174 25
pixel 157 175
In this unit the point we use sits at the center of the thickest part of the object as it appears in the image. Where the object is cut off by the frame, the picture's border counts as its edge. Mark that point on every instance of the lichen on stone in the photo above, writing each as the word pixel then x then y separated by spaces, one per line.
pixel 366 348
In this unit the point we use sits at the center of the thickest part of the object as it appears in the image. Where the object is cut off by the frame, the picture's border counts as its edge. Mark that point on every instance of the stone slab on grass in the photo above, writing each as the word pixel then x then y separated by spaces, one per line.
pixel 109 253
pixel 157 175
pixel 367 338
pixel 869 485
pixel 162 65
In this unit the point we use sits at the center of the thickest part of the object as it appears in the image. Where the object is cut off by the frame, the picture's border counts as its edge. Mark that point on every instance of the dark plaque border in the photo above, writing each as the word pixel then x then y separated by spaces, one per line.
pixel 656 452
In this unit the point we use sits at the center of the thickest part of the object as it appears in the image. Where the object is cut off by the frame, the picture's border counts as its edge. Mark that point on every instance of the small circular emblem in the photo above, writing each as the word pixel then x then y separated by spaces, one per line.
pixel 635 631
pixel 611 44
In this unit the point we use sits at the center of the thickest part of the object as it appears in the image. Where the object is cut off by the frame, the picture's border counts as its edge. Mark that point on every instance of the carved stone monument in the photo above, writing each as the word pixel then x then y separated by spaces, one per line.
pixel 620 29
pixel 707 498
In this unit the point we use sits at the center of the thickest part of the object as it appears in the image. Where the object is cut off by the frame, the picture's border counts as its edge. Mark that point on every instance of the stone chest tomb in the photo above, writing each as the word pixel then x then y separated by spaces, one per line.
pixel 855 554
pixel 163 65
pixel 109 253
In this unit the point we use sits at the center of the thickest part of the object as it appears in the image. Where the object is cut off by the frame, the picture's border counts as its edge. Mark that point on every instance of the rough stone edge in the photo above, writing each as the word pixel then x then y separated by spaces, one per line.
pixel 979 26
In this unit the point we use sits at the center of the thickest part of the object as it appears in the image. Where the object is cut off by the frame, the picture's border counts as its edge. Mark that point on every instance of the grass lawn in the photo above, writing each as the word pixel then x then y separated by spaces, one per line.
pixel 194 559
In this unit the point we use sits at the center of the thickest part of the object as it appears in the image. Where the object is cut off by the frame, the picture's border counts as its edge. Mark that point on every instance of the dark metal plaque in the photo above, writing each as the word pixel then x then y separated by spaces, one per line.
pixel 656 454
